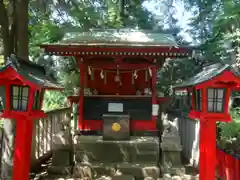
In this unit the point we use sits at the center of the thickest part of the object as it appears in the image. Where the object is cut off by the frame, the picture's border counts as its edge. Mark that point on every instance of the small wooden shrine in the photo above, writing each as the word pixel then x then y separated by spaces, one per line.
pixel 118 74
pixel 118 98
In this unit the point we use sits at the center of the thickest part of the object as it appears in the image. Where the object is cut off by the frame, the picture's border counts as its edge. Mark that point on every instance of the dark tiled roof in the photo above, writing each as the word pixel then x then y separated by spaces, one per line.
pixel 208 73
pixel 31 72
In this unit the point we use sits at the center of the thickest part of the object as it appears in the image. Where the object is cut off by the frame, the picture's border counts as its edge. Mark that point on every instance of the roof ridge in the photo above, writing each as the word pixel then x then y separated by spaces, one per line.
pixel 79 30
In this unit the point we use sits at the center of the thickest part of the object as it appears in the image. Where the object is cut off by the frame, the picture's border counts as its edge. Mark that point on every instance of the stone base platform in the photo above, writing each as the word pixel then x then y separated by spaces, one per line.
pixel 138 156
pixel 138 149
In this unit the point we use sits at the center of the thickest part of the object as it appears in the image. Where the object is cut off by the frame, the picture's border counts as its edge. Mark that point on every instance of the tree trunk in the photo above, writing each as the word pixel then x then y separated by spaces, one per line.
pixel 15 40
pixel 22 28
pixel 4 23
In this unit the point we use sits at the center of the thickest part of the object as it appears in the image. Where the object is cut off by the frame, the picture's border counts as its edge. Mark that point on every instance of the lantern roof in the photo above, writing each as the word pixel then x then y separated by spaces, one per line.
pixel 207 74
pixel 32 72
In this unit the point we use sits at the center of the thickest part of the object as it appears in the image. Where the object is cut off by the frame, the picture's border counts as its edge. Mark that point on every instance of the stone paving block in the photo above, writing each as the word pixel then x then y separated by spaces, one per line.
pixel 61 157
pixel 123 177
pixel 60 170
pixel 83 171
pixel 139 171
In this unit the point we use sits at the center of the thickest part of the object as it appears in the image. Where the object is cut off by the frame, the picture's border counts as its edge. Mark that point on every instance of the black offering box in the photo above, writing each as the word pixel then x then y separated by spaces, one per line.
pixel 116 127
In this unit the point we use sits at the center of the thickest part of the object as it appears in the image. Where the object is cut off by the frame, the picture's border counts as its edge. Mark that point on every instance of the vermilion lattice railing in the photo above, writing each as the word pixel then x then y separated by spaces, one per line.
pixel 228 166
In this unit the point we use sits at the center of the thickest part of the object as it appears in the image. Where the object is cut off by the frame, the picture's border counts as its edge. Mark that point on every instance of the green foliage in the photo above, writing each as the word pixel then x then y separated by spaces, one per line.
pixel 43 29
pixel 235 113
pixel 54 100
pixel 216 26
pixel 68 74
pixel 175 71
pixel 46 32
pixel 230 132
pixel 49 19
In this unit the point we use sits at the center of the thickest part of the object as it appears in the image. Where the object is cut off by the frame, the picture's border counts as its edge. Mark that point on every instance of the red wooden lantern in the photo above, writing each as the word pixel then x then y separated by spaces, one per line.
pixel 22 86
pixel 211 90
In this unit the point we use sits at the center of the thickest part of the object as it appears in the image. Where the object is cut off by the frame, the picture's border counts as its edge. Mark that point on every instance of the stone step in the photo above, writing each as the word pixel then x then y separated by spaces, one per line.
pixel 119 177
pixel 93 149
pixel 139 171
pixel 111 157
pixel 81 141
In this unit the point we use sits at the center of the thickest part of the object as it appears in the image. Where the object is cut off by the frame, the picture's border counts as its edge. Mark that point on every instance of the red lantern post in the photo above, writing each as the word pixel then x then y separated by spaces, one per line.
pixel 23 84
pixel 211 89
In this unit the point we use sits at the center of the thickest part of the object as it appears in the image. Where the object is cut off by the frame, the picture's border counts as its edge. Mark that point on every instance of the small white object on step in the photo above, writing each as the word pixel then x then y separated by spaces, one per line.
pixel 148 178
pixel 187 177
pixel 167 177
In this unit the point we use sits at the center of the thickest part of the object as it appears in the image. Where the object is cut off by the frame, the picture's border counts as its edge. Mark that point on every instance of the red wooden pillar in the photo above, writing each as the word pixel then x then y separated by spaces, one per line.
pixel 22 150
pixel 81 98
pixel 207 149
pixel 226 105
pixel 207 143
pixel 202 151
pixel 237 169
pixel 154 93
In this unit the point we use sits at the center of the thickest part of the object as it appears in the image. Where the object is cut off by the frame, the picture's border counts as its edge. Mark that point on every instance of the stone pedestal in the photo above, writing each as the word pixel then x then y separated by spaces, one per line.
pixel 171 154
pixel 62 157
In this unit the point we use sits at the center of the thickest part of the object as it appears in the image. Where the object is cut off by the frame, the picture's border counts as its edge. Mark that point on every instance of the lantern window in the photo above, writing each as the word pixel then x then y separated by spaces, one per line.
pixel 189 99
pixel 198 99
pixel 19 101
pixel 216 98
pixel 37 100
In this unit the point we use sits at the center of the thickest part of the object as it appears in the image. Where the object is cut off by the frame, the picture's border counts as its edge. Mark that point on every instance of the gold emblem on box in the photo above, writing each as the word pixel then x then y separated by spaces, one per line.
pixel 116 127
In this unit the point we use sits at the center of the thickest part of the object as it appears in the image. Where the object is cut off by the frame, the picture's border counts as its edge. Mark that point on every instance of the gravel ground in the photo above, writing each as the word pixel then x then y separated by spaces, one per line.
pixel 191 174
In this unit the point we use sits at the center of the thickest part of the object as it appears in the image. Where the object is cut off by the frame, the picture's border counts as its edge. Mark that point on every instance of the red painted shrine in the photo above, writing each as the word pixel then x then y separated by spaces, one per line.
pixel 118 74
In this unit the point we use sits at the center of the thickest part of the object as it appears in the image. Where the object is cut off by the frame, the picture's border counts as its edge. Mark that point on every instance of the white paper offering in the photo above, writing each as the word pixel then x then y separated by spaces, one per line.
pixel 115 107
pixel 155 108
